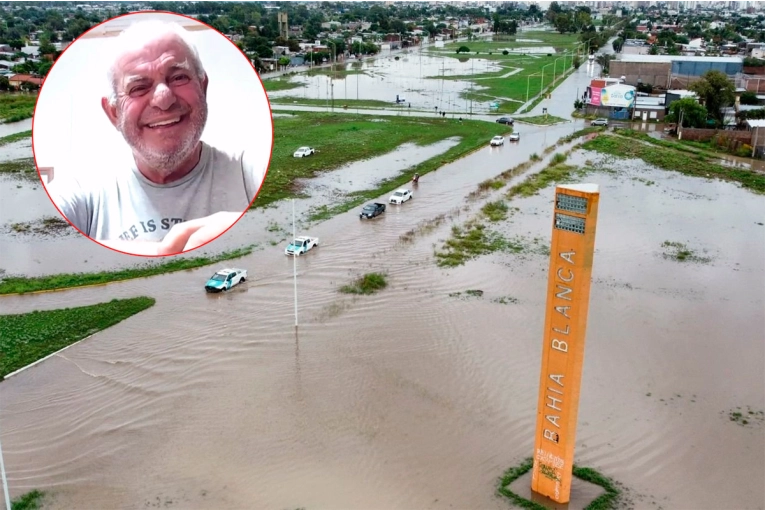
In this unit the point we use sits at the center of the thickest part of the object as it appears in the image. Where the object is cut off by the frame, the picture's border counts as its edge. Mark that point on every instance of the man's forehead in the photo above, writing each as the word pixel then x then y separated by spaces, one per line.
pixel 159 54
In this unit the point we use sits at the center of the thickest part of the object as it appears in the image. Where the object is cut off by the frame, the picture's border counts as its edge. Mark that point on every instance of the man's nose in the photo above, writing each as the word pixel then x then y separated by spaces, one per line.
pixel 163 97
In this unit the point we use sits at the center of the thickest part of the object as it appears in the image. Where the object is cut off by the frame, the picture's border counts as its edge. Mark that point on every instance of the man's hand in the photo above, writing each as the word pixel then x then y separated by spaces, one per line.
pixel 194 233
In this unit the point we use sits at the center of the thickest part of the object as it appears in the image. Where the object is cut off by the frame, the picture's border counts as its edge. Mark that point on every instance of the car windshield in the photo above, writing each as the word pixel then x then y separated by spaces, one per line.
pixel 219 277
pixel 369 208
pixel 398 194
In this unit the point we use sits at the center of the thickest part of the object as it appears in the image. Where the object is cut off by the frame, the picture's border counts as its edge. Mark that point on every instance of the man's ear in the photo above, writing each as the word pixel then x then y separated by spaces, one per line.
pixel 110 110
pixel 205 82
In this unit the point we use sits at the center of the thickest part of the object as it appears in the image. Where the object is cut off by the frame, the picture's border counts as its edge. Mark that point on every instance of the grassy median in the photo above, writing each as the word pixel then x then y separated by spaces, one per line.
pixel 28 337
pixel 23 284
pixel 341 138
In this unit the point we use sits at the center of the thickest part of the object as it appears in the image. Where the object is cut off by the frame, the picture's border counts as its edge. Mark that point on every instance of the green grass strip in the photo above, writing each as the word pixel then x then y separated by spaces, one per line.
pixel 23 284
pixel 15 137
pixel 274 84
pixel 606 501
pixel 16 107
pixel 28 337
pixel 671 159
pixel 541 120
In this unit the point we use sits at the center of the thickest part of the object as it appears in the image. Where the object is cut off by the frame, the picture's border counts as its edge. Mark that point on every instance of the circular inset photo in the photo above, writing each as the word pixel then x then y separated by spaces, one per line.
pixel 152 134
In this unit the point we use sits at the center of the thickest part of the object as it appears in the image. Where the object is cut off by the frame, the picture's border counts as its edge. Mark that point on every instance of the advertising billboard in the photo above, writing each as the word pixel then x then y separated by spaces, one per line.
pixel 617 95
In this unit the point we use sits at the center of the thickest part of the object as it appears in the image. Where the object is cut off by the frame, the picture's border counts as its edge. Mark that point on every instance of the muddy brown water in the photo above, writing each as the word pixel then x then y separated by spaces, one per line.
pixel 411 398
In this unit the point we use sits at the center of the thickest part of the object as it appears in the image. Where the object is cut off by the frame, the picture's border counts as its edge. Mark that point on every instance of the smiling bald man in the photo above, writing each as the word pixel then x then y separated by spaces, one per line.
pixel 178 192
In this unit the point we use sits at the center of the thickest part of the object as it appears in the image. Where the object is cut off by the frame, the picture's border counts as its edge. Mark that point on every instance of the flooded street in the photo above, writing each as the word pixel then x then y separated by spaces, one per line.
pixel 413 75
pixel 409 398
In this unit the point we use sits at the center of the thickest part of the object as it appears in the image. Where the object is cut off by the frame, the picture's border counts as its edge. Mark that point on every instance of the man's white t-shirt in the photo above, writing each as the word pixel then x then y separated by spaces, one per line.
pixel 123 204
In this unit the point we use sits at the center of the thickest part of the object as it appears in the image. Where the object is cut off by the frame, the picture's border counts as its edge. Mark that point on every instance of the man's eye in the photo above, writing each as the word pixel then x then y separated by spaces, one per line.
pixel 179 78
pixel 138 90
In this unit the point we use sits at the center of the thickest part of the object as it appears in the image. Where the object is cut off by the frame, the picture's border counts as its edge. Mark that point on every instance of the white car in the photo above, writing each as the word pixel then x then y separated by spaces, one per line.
pixel 400 196
pixel 497 140
pixel 303 152
pixel 300 245
pixel 225 279
pixel 514 137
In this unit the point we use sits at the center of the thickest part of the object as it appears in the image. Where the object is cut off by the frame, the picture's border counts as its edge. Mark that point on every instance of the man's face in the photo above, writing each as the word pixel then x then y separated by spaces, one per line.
pixel 161 107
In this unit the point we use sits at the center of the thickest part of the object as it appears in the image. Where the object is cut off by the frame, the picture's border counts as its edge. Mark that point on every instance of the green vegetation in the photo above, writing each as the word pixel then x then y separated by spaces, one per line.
pixel 748 417
pixel 606 501
pixel 681 253
pixel 506 300
pixel 23 284
pixel 28 337
pixel 542 120
pixel 495 211
pixel 49 225
pixel 673 159
pixel 22 168
pixel 467 294
pixel 558 41
pixel 367 284
pixel 274 84
pixel 555 172
pixel 339 103
pixel 342 138
pixel 15 137
pixel 16 107
pixel 29 501
pixel 469 242
pixel 582 132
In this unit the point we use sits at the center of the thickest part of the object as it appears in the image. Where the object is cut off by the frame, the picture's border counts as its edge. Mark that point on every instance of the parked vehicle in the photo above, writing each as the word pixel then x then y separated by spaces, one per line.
pixel 303 152
pixel 400 196
pixel 506 120
pixel 371 210
pixel 300 245
pixel 497 140
pixel 514 137
pixel 599 122
pixel 225 279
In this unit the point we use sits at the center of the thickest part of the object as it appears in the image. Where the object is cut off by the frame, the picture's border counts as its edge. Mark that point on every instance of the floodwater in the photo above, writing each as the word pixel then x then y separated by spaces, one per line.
pixel 414 77
pixel 411 398
pixel 367 174
pixel 34 256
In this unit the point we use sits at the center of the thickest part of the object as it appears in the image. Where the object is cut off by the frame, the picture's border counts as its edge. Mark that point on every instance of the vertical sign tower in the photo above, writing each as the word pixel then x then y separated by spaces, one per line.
pixel 568 296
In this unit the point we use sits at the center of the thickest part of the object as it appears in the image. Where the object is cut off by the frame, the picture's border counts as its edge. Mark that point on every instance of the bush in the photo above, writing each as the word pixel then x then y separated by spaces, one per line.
pixel 463 49
pixel 744 151
pixel 505 52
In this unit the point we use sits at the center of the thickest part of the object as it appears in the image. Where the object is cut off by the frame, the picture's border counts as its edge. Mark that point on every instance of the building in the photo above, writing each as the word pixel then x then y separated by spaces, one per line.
pixel 281 20
pixel 671 71
pixel 609 98
pixel 757 127
pixel 17 80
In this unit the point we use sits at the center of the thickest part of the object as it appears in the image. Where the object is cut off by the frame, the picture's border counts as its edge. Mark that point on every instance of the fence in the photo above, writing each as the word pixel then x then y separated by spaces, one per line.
pixel 732 141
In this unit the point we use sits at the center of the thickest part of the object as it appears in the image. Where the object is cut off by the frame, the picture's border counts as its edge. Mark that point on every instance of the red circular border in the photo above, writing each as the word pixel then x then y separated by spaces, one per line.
pixel 248 63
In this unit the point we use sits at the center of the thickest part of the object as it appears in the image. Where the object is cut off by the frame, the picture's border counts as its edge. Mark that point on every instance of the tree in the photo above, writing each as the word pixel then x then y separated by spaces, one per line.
pixel 748 97
pixel 716 92
pixel 576 62
pixel 605 62
pixel 693 114
pixel 654 50
pixel 617 44
pixel 463 49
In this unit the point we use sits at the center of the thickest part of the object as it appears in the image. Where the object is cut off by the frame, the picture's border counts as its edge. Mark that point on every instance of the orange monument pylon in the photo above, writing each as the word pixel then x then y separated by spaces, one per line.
pixel 568 296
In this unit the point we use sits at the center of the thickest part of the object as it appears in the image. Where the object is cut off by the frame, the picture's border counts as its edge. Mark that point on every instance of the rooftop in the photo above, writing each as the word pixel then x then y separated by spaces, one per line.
pixel 654 59
pixel 758 123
